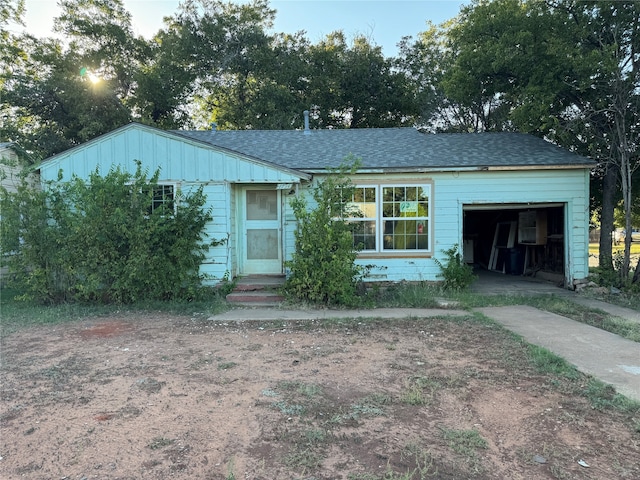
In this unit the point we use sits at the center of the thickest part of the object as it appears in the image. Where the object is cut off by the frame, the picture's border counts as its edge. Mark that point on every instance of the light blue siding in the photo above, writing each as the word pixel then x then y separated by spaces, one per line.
pixel 190 164
pixel 185 163
pixel 453 191
pixel 178 159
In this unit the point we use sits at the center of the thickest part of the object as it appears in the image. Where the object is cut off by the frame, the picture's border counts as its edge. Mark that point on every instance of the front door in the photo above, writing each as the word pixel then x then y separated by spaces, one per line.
pixel 261 232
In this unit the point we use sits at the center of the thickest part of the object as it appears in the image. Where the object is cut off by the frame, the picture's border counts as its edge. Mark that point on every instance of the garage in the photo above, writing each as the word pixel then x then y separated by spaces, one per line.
pixel 516 239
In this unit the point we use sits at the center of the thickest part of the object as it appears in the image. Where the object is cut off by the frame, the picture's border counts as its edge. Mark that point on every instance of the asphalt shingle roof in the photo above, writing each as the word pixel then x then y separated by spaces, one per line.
pixel 390 148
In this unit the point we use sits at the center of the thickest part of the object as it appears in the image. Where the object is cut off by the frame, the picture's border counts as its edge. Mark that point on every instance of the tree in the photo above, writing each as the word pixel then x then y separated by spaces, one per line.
pixel 58 95
pixel 356 86
pixel 323 268
pixel 100 241
pixel 564 70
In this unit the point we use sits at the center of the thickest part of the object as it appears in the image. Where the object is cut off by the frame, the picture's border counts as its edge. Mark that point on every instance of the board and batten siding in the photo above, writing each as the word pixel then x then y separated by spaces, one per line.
pixel 179 159
pixel 452 191
pixel 183 162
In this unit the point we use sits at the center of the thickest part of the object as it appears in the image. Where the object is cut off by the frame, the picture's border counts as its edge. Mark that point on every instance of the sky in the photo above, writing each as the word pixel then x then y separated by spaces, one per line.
pixel 385 22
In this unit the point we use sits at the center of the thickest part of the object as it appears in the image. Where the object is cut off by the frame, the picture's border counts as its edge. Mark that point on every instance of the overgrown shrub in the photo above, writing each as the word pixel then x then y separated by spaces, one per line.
pixel 322 268
pixel 99 240
pixel 456 273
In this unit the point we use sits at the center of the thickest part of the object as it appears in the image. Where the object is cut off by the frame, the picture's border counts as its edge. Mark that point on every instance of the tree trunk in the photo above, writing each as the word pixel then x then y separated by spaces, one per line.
pixel 609 183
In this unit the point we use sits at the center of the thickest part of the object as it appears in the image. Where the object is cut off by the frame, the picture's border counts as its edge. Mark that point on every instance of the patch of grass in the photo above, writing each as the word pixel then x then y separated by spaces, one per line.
pixel 304 459
pixel 160 442
pixel 17 314
pixel 414 295
pixel 550 363
pixel 377 399
pixel 305 389
pixel 421 467
pixel 289 409
pixel 226 365
pixel 420 391
pixel 466 443
pixel 602 396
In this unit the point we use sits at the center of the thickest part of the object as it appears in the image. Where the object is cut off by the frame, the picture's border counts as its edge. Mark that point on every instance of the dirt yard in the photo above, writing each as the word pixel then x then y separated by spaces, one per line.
pixel 159 396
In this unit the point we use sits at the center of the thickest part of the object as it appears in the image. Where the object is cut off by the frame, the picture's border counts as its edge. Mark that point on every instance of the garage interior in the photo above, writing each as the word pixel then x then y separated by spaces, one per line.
pixel 515 239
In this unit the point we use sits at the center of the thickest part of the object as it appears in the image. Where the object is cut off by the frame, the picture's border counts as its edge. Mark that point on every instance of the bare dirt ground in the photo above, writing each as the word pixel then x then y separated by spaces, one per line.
pixel 160 396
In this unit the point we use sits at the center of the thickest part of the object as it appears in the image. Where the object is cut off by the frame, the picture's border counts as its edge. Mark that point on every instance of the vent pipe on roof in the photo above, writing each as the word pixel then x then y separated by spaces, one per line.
pixel 306 122
pixel 214 126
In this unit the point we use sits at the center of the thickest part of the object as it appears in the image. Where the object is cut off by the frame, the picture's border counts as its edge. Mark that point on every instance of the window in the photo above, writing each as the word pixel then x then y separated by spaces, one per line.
pixel 391 218
pixel 163 197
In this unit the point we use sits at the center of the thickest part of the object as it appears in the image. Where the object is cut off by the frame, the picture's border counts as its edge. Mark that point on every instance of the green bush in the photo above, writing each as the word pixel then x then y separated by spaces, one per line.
pixel 457 274
pixel 100 241
pixel 322 268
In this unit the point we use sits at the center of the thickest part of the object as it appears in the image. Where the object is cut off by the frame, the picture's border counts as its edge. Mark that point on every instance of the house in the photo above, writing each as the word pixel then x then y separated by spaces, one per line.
pixel 10 166
pixel 514 203
pixel 12 162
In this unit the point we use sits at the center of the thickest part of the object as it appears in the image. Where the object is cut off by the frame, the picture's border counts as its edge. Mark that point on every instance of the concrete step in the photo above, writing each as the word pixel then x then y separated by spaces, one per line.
pixel 254 290
pixel 255 298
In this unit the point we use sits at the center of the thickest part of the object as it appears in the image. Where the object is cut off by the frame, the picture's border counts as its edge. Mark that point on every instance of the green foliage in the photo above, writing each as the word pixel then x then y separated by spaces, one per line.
pixel 550 363
pixel 98 241
pixel 457 274
pixel 603 396
pixel 323 268
pixel 464 442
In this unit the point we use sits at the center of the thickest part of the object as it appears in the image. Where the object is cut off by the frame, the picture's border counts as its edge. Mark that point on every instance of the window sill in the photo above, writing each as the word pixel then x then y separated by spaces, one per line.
pixel 395 255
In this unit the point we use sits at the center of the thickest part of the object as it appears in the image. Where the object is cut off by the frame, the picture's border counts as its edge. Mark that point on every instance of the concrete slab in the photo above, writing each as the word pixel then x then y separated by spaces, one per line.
pixel 608 357
pixel 274 314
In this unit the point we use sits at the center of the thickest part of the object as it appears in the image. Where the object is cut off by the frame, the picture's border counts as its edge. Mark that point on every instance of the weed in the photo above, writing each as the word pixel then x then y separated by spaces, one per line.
pixel 378 399
pixel 315 436
pixel 603 396
pixel 287 409
pixel 456 273
pixel 550 363
pixel 227 365
pixel 423 461
pixel 412 454
pixel 305 389
pixel 466 443
pixel 413 295
pixel 267 392
pixel 305 459
pixel 160 442
pixel 230 474
pixel 420 391
pixel 365 410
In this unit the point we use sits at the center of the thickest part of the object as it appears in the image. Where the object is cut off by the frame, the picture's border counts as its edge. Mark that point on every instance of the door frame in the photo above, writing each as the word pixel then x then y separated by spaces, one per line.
pixel 255 267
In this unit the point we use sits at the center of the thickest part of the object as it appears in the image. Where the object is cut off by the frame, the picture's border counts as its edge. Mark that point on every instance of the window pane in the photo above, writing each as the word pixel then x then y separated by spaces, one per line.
pixel 262 244
pixel 364 235
pixel 370 194
pixel 262 205
pixel 162 196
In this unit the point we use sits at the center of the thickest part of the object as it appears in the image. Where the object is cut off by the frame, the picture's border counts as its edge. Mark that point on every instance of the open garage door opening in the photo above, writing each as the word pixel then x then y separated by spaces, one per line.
pixel 516 239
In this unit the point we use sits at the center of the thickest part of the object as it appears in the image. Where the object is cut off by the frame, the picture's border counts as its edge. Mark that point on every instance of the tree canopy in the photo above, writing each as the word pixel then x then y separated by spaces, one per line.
pixel 565 70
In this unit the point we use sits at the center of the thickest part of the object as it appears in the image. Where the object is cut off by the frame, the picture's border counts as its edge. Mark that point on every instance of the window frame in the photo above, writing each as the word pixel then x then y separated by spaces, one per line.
pixel 379 218
pixel 152 206
pixel 155 204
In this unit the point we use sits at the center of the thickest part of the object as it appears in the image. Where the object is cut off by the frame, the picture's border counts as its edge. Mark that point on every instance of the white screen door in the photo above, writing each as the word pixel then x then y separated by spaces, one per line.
pixel 262 226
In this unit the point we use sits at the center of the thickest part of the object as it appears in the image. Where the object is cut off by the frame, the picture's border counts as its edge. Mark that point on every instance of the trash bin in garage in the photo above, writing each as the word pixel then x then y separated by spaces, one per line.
pixel 514 264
